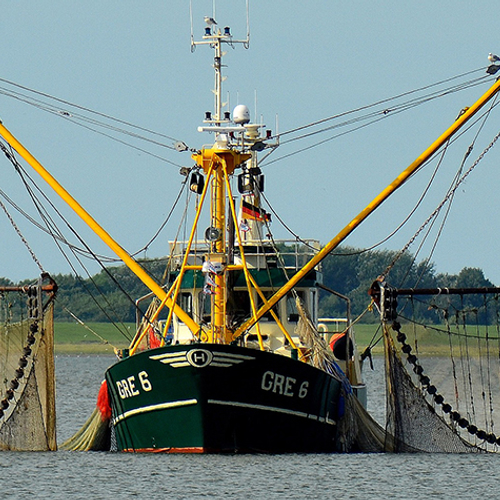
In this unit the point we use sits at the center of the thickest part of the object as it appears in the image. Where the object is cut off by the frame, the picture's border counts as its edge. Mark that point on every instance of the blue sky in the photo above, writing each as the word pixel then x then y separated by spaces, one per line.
pixel 306 61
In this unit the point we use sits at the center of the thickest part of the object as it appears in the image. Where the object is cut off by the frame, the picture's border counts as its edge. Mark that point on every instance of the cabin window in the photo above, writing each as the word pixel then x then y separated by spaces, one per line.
pixel 185 301
pixel 238 307
pixel 205 307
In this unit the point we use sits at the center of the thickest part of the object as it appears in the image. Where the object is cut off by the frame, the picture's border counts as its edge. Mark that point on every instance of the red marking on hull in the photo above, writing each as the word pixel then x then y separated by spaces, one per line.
pixel 194 449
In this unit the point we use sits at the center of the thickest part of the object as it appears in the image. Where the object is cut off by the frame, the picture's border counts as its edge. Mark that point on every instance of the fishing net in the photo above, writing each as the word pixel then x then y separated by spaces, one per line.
pixel 357 430
pixel 443 376
pixel 316 350
pixel 412 421
pixel 27 375
pixel 96 434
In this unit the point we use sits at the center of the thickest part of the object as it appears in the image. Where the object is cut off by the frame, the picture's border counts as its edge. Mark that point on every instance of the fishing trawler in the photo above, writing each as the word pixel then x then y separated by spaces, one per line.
pixel 233 367
pixel 237 364
pixel 228 356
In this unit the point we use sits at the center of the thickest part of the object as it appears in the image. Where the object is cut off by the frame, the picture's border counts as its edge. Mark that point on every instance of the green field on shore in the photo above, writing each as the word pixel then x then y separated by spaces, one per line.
pixel 73 338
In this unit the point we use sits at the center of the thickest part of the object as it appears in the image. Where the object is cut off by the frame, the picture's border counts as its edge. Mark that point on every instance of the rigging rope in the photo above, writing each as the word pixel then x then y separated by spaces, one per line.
pixel 377 103
pixel 10 155
pixel 445 200
pixel 407 218
pixel 77 117
pixel 52 229
pixel 398 109
pixel 82 323
pixel 62 101
pixel 74 119
pixel 165 222
pixel 376 115
pixel 457 176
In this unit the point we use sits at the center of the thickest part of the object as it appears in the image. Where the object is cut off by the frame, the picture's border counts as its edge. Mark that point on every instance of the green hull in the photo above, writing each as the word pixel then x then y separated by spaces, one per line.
pixel 222 398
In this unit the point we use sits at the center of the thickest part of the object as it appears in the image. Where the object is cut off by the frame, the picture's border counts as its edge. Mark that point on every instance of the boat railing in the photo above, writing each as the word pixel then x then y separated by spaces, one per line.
pixel 330 326
pixel 291 254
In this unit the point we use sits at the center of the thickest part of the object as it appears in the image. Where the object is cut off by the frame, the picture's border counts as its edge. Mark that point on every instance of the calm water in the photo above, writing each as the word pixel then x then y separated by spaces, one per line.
pixel 112 475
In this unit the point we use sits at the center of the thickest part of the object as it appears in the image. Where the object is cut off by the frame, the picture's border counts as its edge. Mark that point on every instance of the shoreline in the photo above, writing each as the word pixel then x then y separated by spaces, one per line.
pixel 96 349
pixel 73 339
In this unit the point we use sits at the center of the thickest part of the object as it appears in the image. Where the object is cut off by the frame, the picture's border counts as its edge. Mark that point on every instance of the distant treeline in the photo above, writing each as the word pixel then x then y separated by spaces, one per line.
pixel 110 295
pixel 352 271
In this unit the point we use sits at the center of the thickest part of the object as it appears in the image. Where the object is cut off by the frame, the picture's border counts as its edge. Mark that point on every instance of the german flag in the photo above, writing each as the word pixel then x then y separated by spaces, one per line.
pixel 254 213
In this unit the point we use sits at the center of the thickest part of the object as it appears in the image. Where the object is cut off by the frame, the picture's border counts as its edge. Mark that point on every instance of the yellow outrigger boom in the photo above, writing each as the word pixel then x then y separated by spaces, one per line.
pixel 135 267
pixel 206 159
pixel 398 182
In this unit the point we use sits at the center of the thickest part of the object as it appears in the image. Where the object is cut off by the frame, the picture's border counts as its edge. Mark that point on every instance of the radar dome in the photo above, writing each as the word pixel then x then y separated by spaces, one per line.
pixel 241 114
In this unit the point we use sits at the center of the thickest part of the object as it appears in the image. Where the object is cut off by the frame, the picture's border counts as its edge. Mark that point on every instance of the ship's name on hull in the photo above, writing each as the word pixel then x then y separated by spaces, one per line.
pixel 128 387
pixel 286 386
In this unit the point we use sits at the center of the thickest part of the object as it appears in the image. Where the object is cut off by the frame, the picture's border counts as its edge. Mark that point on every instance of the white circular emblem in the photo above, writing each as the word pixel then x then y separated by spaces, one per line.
pixel 199 358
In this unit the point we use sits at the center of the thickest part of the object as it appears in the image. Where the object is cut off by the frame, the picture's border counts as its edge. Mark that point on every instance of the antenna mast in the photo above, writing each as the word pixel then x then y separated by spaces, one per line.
pixel 215 37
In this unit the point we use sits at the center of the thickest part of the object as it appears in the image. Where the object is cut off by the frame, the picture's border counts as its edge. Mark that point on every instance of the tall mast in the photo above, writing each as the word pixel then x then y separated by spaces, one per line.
pixel 215 37
pixel 218 162
pixel 218 81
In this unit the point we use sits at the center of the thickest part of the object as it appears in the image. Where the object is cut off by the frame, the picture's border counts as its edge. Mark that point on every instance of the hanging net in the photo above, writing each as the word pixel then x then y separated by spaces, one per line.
pixel 27 375
pixel 443 376
pixel 358 431
pixel 413 422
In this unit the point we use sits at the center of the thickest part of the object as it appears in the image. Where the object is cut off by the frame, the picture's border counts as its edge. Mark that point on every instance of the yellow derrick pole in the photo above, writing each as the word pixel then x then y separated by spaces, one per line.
pixel 135 267
pixel 398 182
pixel 243 260
pixel 218 211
